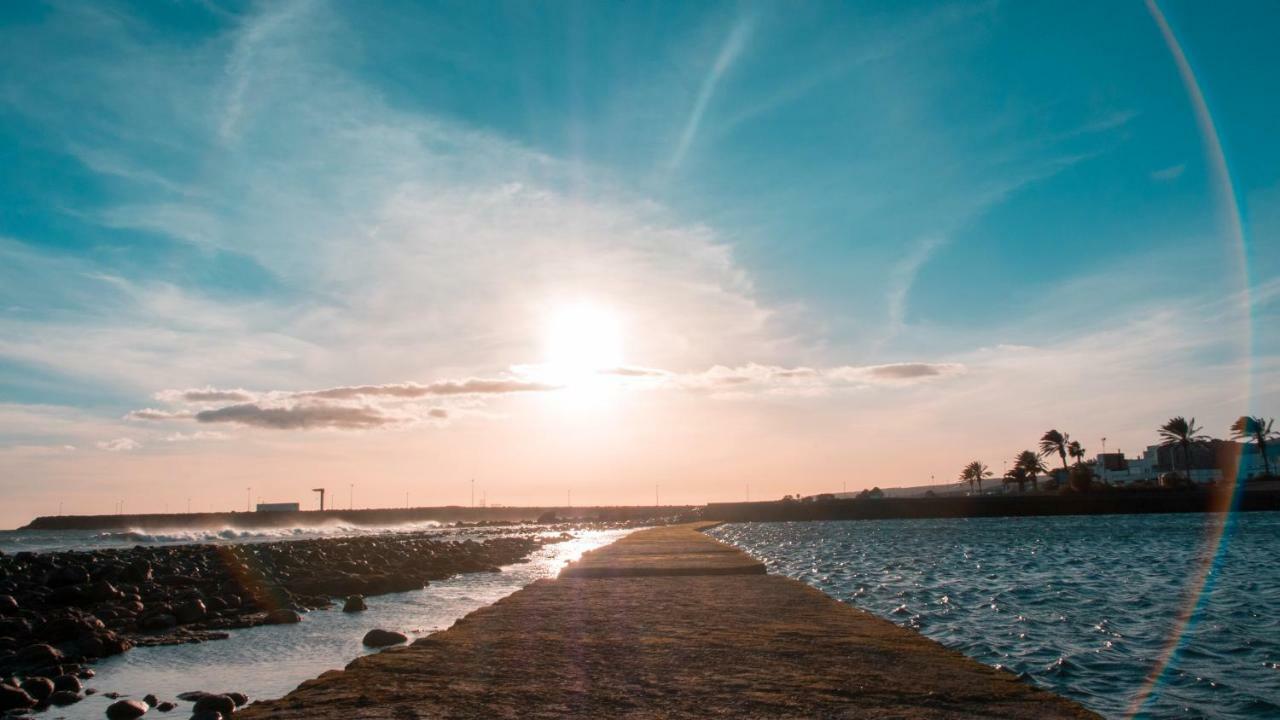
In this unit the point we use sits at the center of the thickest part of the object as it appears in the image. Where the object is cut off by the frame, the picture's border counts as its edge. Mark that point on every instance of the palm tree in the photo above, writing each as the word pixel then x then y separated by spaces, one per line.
pixel 975 471
pixel 1054 442
pixel 1259 431
pixel 1075 451
pixel 1181 431
pixel 1029 463
pixel 966 476
pixel 1017 475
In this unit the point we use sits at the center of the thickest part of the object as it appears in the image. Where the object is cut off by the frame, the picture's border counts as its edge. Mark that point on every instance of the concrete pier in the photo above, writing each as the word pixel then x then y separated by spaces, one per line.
pixel 668 623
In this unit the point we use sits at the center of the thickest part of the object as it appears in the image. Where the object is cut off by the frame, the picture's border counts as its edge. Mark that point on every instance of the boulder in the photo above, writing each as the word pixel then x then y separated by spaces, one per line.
pixel 14 698
pixel 354 603
pixel 379 638
pixel 39 655
pixel 191 611
pixel 67 682
pixel 126 710
pixel 62 698
pixel 283 616
pixel 151 699
pixel 207 715
pixel 8 605
pixel 39 688
pixel 220 704
pixel 157 622
pixel 165 706
pixel 240 699
pixel 192 695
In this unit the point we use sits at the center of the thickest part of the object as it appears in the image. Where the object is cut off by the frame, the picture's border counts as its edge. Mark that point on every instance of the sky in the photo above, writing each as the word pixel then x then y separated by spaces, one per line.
pixel 612 251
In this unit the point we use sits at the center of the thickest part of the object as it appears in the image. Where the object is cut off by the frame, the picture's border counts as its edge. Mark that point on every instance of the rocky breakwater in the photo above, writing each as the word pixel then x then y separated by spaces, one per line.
pixel 59 611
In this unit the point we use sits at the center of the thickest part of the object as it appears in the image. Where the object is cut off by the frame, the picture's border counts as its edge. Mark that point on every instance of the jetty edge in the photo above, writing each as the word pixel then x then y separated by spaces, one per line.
pixel 635 630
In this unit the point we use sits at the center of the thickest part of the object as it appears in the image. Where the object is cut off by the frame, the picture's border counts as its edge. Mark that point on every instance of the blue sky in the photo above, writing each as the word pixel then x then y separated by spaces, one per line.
pixel 281 197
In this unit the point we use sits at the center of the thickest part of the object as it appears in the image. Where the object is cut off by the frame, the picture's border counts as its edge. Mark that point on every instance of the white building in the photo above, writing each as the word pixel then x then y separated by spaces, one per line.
pixel 1208 462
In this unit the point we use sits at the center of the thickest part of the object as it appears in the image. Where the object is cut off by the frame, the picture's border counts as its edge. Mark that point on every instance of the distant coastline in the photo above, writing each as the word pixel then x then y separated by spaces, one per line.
pixel 1111 502
pixel 367 517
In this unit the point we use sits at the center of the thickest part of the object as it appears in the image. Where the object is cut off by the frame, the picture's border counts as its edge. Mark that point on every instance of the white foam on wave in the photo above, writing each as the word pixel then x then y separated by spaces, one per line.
pixel 175 536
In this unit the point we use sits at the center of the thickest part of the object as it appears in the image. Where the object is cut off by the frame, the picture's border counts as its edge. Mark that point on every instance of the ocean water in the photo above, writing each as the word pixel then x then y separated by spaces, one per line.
pixel 269 661
pixel 1085 606
pixel 12 541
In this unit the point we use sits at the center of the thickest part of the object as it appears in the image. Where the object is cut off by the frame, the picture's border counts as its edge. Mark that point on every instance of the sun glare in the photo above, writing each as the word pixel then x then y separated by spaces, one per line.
pixel 582 339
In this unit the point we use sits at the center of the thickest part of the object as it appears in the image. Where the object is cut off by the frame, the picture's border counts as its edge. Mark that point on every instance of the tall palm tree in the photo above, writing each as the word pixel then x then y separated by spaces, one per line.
pixel 1181 431
pixel 1259 431
pixel 966 476
pixel 1029 463
pixel 1075 451
pixel 976 472
pixel 1055 443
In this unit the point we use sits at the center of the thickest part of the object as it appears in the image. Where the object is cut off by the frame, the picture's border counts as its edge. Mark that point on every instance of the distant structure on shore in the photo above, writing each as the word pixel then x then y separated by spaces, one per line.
pixel 1209 460
pixel 279 507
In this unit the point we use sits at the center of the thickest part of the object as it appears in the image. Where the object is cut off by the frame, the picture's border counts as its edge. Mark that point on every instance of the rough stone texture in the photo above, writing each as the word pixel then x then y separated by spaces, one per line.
pixel 649 644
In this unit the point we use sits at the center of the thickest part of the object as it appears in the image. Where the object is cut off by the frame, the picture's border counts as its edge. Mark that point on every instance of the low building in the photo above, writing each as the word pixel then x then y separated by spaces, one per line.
pixel 278 507
pixel 1211 461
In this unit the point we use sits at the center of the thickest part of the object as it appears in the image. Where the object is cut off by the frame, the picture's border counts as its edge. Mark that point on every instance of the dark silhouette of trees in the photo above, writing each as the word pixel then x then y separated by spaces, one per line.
pixel 1055 443
pixel 1029 463
pixel 1017 476
pixel 1257 429
pixel 1179 431
pixel 1076 452
pixel 975 471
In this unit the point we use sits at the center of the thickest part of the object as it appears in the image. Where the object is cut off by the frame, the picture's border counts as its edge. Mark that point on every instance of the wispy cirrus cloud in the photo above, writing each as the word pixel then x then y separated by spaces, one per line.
pixel 735 42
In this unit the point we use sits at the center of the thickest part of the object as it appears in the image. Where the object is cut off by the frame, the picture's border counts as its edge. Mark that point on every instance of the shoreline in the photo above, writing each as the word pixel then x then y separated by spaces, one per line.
pixel 60 611
pixel 668 622
pixel 1101 502
pixel 365 517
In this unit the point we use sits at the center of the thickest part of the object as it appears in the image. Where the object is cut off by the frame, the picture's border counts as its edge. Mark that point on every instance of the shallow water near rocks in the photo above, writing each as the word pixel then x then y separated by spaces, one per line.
pixel 1080 605
pixel 270 660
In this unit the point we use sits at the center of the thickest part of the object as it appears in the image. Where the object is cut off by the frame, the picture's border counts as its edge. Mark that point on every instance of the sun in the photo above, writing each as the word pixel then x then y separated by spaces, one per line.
pixel 583 338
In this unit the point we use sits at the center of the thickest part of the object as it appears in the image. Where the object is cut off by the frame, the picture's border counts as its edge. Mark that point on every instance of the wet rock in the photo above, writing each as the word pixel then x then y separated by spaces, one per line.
pixel 240 699
pixel 283 616
pixel 192 695
pixel 207 715
pixel 67 682
pixel 354 603
pixel 379 638
pixel 126 710
pixel 151 699
pixel 62 698
pixel 39 688
pixel 190 611
pixel 39 655
pixel 72 606
pixel 220 704
pixel 165 706
pixel 14 698
pixel 157 622
pixel 103 591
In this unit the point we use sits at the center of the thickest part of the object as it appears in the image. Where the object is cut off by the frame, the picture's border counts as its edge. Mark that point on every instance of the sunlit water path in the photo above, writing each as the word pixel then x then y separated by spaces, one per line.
pixel 1081 605
pixel 270 660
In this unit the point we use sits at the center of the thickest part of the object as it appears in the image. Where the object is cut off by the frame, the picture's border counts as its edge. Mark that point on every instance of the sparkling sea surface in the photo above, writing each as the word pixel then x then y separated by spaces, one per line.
pixel 1083 606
